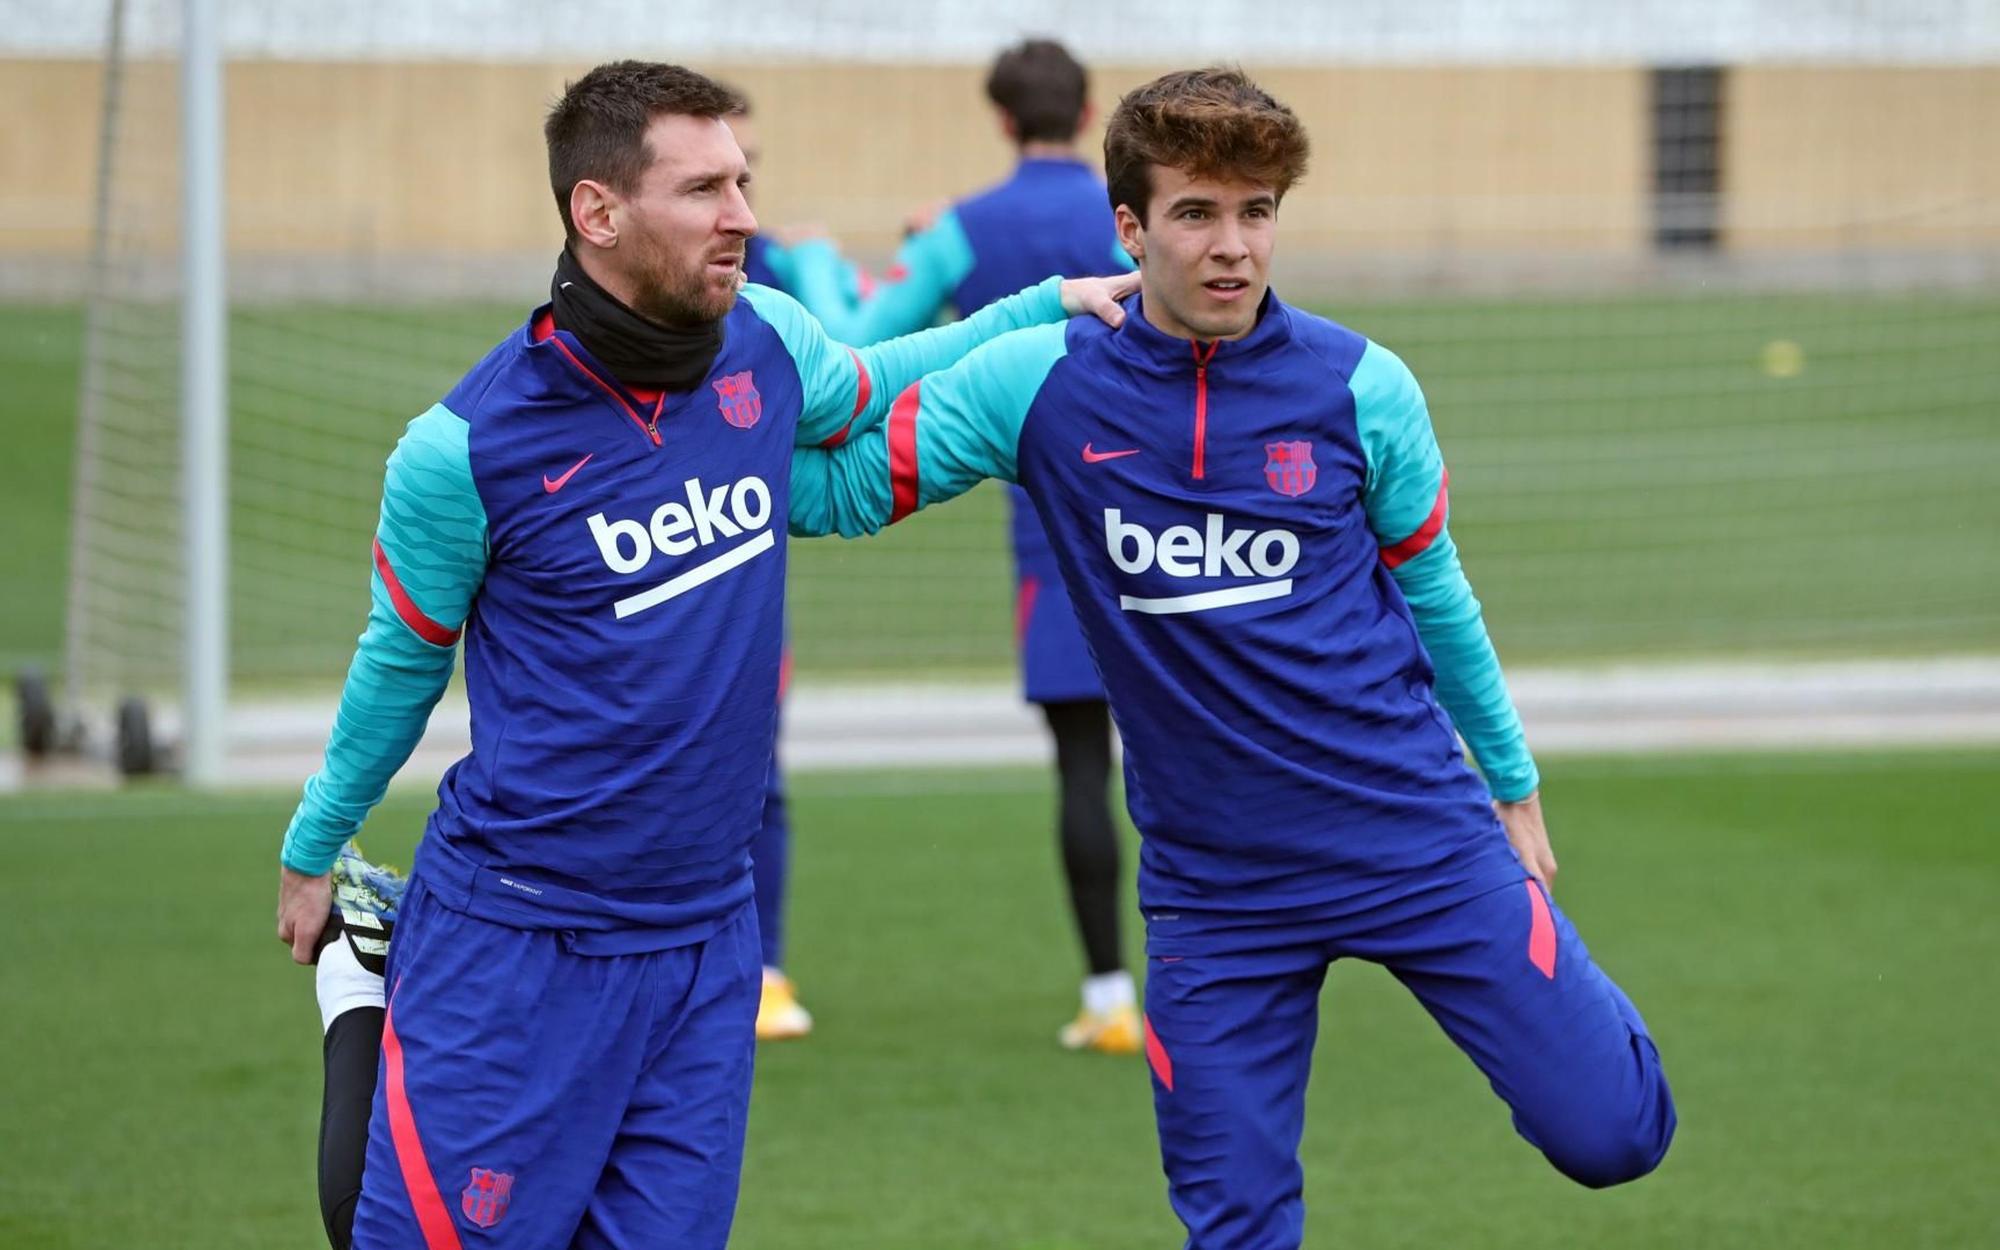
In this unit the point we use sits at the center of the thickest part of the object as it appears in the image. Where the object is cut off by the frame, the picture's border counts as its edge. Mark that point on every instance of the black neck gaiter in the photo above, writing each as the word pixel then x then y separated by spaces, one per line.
pixel 638 350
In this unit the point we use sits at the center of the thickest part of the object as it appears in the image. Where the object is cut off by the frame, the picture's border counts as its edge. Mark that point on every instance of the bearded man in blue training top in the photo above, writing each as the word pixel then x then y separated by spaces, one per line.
pixel 567 1043
pixel 1248 507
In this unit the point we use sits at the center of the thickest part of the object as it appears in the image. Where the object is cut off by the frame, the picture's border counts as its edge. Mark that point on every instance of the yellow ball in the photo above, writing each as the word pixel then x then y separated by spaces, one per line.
pixel 1783 358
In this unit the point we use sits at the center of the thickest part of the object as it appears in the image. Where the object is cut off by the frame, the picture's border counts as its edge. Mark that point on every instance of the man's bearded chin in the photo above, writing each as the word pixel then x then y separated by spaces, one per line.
pixel 682 299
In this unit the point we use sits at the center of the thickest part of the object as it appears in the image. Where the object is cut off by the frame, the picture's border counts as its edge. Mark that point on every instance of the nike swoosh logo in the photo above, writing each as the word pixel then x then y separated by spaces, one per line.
pixel 559 483
pixel 1099 457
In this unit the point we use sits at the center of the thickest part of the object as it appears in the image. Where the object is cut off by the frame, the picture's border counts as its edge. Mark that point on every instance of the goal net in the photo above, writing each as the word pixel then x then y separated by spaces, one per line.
pixel 1707 310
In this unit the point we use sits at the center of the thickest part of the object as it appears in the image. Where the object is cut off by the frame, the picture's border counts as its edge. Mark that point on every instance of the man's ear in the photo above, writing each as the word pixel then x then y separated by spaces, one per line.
pixel 1131 232
pixel 592 211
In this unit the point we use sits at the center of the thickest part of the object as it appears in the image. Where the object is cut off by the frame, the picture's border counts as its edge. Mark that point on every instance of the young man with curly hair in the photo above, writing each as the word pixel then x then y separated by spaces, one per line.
pixel 1248 506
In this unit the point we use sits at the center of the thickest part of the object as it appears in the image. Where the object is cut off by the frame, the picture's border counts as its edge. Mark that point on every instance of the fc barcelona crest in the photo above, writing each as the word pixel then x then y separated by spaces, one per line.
pixel 738 398
pixel 1289 467
pixel 484 1200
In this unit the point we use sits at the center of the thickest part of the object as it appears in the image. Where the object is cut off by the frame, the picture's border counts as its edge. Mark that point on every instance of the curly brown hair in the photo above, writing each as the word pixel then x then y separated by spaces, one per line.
pixel 1208 123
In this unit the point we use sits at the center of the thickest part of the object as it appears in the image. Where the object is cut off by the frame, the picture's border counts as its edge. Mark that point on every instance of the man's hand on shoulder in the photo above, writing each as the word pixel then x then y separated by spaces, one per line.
pixel 303 905
pixel 1529 837
pixel 1099 296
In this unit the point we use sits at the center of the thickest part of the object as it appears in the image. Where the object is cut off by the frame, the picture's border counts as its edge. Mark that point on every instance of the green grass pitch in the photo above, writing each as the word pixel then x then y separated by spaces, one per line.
pixel 1812 939
pixel 1629 479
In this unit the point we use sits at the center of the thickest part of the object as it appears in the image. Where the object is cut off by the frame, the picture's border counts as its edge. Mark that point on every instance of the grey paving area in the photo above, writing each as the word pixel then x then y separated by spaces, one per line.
pixel 1617 710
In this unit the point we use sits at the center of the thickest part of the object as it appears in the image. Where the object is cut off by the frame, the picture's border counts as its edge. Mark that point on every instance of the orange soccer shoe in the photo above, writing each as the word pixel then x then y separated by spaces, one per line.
pixel 1114 1032
pixel 779 1016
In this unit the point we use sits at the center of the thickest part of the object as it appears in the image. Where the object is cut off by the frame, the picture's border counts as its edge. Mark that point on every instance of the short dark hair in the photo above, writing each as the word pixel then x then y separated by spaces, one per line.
pixel 740 99
pixel 1042 87
pixel 1212 122
pixel 597 130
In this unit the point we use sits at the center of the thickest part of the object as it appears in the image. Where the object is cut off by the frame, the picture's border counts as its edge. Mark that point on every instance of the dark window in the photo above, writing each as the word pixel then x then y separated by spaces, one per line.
pixel 1687 156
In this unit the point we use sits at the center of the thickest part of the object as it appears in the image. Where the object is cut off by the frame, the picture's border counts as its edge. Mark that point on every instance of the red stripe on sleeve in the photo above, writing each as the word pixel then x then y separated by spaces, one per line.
pixel 1541 933
pixel 863 388
pixel 903 454
pixel 413 616
pixel 1426 534
pixel 866 385
pixel 432 1218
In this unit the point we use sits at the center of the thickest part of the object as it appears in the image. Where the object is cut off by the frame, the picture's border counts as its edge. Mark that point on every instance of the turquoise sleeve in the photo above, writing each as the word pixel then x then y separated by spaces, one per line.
pixel 1407 506
pixel 430 557
pixel 947 433
pixel 783 262
pixel 848 391
pixel 929 266
pixel 826 282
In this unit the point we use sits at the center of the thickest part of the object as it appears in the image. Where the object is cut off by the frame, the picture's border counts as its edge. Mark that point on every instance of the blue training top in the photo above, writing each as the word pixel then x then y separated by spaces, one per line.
pixel 1253 534
pixel 615 564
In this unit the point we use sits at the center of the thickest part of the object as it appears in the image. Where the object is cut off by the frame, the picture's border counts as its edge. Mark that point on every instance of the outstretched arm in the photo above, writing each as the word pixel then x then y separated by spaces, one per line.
pixel 945 435
pixel 848 391
pixel 429 560
pixel 918 287
pixel 1408 505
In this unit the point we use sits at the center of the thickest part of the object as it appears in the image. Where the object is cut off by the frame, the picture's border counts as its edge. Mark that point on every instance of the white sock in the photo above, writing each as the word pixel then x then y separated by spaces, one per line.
pixel 1108 991
pixel 343 984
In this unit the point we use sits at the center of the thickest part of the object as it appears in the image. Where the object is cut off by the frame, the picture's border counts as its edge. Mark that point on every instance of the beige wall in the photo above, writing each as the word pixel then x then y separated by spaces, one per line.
pixel 1403 158
pixel 403 158
pixel 1469 158
pixel 48 151
pixel 398 158
pixel 1827 158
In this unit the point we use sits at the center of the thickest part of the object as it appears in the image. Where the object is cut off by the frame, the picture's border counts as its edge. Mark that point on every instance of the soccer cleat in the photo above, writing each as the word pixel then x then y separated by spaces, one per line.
pixel 366 898
pixel 1114 1032
pixel 779 1016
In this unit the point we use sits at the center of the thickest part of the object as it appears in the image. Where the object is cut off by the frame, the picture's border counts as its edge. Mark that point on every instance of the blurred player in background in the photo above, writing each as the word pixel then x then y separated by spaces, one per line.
pixel 771 256
pixel 1049 215
pixel 1248 505
pixel 573 980
pixel 780 1015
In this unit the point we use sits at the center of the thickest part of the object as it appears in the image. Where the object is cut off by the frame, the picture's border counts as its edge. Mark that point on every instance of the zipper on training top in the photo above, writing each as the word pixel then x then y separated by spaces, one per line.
pixel 545 332
pixel 649 426
pixel 1201 359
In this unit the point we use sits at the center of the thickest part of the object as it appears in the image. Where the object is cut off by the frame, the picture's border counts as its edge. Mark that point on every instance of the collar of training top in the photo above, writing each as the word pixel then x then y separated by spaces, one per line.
pixel 1170 354
pixel 639 351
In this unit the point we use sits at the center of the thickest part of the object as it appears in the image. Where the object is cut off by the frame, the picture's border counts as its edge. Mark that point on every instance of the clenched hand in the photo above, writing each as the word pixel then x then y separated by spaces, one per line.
pixel 303 904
